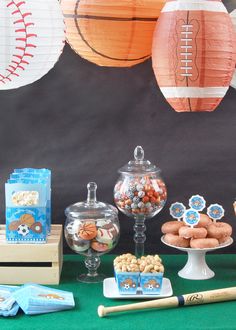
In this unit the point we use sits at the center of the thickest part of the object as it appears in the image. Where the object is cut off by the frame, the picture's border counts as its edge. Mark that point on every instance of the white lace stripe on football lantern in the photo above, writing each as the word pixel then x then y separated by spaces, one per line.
pixel 233 18
pixel 32 37
pixel 214 6
pixel 200 92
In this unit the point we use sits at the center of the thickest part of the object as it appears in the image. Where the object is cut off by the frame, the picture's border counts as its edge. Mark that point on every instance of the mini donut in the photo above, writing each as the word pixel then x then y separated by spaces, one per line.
pixel 188 232
pixel 99 247
pixel 219 229
pixel 203 243
pixel 204 221
pixel 171 227
pixel 224 239
pixel 176 240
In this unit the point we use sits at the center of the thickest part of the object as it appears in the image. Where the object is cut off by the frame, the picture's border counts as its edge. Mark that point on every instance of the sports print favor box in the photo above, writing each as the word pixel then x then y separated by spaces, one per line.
pixel 134 275
pixel 35 175
pixel 27 207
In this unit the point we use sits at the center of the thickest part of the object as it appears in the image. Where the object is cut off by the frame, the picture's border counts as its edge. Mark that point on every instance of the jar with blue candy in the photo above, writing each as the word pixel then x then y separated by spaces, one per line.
pixel 140 193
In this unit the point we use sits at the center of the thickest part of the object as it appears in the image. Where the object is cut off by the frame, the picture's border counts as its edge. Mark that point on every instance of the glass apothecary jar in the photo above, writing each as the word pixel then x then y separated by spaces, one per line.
pixel 91 229
pixel 140 193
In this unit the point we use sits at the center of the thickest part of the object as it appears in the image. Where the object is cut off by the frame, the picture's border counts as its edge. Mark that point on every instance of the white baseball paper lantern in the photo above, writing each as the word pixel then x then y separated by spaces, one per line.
pixel 233 18
pixel 32 37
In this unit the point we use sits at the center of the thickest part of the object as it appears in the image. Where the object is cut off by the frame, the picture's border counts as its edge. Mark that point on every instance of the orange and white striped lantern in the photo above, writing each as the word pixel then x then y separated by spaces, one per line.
pixel 194 54
pixel 32 37
pixel 115 33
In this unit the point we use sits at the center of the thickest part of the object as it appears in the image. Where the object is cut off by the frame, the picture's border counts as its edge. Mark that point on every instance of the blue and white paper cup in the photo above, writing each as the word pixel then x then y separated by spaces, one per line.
pixel 151 283
pixel 127 282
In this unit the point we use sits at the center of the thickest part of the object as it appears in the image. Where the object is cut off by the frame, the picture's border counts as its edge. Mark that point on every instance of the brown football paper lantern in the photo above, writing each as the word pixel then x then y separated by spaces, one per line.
pixel 194 54
pixel 233 18
pixel 111 33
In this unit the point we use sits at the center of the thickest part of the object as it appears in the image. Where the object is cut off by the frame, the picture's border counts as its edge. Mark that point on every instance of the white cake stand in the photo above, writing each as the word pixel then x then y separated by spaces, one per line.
pixel 196 267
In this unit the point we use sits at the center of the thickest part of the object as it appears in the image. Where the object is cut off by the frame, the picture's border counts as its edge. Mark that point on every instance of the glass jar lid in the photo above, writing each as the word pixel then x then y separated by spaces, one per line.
pixel 91 208
pixel 139 165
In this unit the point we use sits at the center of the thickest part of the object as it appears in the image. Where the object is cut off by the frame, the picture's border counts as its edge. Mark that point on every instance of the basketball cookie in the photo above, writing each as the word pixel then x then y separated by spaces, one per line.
pixel 88 231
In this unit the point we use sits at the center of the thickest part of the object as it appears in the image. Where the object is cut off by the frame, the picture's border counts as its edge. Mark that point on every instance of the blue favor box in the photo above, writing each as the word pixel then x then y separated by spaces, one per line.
pixel 34 175
pixel 151 283
pixel 28 206
pixel 147 283
pixel 128 283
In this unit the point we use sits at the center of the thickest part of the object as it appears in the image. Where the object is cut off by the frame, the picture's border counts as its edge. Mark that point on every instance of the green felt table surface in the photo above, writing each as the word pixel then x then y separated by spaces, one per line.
pixel 89 296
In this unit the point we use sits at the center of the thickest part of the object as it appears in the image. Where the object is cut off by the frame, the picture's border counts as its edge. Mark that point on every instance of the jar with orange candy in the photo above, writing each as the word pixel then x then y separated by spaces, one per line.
pixel 140 193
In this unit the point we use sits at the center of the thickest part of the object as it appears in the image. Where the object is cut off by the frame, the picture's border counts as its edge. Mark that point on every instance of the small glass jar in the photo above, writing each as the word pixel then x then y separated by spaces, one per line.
pixel 91 229
pixel 140 193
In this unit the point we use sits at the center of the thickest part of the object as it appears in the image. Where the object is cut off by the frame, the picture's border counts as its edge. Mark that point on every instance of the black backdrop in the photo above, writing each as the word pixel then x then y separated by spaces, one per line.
pixel 83 122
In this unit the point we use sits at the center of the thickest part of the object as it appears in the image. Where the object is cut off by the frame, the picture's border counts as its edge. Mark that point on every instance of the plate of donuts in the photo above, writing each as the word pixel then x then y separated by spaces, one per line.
pixel 206 235
pixel 196 233
pixel 204 249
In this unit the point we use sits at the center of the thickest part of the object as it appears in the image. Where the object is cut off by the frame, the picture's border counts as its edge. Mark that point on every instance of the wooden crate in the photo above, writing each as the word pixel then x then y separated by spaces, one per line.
pixel 38 263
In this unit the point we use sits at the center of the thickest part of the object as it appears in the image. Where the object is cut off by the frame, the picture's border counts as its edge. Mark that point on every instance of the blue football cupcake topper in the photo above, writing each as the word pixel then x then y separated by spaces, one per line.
pixel 177 210
pixel 191 217
pixel 215 211
pixel 197 202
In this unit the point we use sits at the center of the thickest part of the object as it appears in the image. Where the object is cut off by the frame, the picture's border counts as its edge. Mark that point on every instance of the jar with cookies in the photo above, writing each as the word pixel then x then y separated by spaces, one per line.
pixel 91 229
pixel 140 193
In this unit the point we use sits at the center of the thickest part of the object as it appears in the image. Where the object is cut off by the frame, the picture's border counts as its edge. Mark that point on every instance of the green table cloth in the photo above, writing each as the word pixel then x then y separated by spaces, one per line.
pixel 89 296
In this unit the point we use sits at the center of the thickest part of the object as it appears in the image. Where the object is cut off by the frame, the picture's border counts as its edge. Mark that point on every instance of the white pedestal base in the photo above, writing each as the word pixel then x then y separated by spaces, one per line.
pixel 196 267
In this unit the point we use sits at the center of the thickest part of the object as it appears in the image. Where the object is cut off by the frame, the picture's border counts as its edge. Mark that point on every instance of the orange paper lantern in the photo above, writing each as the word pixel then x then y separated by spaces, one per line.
pixel 111 33
pixel 233 18
pixel 194 53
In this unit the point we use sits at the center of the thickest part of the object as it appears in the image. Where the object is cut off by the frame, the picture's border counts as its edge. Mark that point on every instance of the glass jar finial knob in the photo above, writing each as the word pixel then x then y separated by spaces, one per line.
pixel 92 188
pixel 138 154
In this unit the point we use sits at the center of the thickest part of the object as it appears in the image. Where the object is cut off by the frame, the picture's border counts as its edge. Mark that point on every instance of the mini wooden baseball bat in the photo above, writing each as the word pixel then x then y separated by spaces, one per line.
pixel 198 298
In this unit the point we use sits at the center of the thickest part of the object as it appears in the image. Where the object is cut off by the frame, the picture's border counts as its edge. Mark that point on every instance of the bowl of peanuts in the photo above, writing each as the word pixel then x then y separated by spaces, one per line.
pixel 138 275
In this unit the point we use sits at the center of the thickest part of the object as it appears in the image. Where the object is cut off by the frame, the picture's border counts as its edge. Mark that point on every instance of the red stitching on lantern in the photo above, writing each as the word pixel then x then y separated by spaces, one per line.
pixel 21 63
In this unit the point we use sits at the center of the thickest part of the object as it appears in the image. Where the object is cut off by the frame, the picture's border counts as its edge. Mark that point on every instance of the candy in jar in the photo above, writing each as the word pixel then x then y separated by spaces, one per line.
pixel 92 229
pixel 140 193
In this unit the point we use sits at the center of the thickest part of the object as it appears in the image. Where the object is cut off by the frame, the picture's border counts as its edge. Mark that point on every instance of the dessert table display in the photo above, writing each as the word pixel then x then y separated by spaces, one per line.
pixel 91 230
